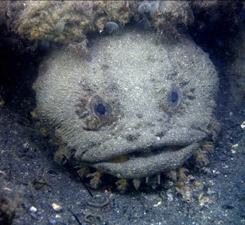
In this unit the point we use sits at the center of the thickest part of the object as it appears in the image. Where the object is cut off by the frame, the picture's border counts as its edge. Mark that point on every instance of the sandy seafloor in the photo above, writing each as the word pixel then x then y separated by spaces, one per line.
pixel 25 154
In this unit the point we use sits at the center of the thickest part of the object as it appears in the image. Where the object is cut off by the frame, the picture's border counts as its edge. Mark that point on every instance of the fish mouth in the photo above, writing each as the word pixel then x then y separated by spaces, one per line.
pixel 146 156
pixel 138 165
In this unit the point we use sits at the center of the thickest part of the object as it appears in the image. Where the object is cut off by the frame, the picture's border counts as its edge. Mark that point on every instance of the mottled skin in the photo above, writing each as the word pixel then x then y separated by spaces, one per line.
pixel 118 104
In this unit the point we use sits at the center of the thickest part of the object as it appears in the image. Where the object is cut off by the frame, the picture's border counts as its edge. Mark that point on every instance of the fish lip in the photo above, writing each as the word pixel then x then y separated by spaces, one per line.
pixel 145 152
pixel 156 150
pixel 147 166
pixel 145 146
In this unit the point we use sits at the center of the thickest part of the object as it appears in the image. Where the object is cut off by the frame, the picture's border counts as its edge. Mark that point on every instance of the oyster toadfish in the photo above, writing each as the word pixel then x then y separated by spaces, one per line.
pixel 150 103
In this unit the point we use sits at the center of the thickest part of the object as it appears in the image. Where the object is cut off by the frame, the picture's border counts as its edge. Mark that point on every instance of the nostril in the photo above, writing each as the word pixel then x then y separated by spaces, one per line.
pixel 132 136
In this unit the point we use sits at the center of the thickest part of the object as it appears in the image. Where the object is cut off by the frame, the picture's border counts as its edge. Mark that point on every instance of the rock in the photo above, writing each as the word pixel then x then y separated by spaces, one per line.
pixel 57 207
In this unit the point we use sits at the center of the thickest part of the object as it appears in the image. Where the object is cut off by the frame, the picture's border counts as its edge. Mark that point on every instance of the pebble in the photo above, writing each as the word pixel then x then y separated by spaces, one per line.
pixel 33 209
pixel 210 191
pixel 243 125
pixel 170 197
pixel 56 207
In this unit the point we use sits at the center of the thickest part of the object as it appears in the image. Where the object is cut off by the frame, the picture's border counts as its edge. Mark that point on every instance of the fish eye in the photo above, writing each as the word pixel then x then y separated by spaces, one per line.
pixel 100 108
pixel 175 97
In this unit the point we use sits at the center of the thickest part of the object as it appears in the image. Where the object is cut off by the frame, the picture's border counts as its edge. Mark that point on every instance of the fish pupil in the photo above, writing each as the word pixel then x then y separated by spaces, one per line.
pixel 174 97
pixel 101 109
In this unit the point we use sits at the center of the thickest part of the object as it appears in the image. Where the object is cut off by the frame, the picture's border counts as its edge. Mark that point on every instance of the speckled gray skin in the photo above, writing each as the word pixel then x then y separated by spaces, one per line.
pixel 132 77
